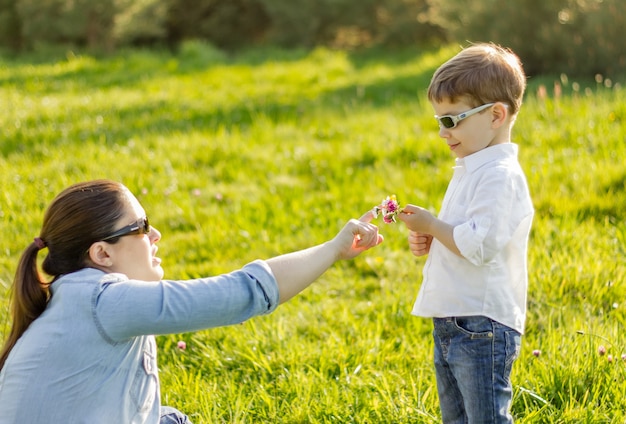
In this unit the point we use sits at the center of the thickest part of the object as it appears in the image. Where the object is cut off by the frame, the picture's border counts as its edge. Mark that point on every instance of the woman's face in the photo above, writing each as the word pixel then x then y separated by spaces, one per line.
pixel 135 255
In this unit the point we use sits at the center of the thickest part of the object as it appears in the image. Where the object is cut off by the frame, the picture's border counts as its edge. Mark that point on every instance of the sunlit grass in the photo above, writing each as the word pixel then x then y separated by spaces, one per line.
pixel 236 158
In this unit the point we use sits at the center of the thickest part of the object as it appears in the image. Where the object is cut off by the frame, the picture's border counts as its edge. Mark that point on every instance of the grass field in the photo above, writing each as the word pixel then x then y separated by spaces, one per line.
pixel 245 157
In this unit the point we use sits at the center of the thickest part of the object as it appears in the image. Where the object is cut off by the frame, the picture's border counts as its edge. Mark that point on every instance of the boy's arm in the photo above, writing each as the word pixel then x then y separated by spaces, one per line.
pixel 422 221
pixel 444 232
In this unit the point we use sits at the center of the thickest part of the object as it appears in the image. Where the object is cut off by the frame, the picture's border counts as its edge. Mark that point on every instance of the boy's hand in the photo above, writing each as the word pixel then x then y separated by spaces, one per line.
pixel 416 219
pixel 419 243
pixel 422 223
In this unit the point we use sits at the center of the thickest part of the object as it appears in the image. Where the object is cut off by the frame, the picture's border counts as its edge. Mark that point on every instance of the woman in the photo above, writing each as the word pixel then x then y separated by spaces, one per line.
pixel 81 348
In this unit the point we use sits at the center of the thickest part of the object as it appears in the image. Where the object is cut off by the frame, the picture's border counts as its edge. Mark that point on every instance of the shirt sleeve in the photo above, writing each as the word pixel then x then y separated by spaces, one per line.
pixel 129 308
pixel 493 216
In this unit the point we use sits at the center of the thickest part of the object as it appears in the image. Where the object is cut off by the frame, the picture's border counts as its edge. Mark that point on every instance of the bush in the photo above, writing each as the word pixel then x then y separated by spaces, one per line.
pixel 228 24
pixel 10 25
pixel 349 23
pixel 578 37
pixel 81 22
pixel 140 22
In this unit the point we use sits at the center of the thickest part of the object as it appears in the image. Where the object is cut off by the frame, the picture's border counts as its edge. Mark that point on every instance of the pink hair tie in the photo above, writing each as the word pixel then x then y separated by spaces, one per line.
pixel 39 243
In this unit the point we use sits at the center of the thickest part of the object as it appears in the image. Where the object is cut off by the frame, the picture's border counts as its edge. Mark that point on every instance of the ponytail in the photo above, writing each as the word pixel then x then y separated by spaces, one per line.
pixel 29 297
pixel 94 207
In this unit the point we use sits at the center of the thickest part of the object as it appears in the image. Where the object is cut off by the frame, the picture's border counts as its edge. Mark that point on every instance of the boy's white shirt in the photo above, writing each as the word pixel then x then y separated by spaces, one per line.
pixel 489 204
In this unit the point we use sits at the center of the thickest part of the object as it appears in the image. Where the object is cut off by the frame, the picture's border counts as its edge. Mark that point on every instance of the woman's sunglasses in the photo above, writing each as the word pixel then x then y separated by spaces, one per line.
pixel 142 226
pixel 451 121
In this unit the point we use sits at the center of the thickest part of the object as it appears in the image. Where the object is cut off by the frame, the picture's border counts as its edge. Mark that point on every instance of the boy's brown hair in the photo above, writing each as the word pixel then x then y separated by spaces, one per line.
pixel 479 74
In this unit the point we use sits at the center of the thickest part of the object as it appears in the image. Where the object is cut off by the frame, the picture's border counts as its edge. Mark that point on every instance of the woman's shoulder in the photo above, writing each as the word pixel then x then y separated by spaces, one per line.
pixel 86 280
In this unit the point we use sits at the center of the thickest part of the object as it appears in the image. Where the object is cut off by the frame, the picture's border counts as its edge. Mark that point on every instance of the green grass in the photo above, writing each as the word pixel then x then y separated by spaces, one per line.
pixel 245 157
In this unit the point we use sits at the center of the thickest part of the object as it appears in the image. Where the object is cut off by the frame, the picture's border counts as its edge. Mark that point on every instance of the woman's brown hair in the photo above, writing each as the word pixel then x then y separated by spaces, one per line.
pixel 79 216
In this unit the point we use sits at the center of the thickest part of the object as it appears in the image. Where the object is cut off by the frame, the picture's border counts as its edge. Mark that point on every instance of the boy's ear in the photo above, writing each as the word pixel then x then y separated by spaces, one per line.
pixel 99 254
pixel 499 114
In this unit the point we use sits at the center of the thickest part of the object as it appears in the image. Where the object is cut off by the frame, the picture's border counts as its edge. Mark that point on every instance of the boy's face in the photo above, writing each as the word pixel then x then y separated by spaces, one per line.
pixel 471 134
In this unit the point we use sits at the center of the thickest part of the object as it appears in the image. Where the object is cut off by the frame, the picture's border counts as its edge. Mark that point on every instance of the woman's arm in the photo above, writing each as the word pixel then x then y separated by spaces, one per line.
pixel 127 308
pixel 297 270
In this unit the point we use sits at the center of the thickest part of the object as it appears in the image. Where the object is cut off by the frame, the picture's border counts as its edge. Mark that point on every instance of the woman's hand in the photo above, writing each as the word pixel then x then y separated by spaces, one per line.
pixel 358 235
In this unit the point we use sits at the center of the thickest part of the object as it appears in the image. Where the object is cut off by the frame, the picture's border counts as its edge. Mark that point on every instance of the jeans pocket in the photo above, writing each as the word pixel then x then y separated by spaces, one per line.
pixel 513 341
pixel 477 327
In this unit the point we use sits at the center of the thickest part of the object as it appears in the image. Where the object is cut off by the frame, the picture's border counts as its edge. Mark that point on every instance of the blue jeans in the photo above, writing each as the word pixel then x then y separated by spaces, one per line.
pixel 473 361
pixel 173 416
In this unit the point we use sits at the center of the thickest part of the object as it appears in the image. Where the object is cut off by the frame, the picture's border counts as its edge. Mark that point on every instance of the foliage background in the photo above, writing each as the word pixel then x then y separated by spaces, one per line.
pixel 577 37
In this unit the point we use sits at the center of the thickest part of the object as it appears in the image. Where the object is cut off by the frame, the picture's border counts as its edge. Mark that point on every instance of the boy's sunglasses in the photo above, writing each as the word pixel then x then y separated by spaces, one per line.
pixel 451 121
pixel 142 226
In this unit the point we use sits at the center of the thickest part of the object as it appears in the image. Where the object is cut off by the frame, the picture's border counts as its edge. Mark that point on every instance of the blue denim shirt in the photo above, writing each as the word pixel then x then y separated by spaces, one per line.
pixel 91 356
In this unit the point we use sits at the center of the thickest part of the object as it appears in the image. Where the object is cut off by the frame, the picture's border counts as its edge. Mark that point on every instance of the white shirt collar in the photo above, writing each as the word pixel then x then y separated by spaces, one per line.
pixel 491 153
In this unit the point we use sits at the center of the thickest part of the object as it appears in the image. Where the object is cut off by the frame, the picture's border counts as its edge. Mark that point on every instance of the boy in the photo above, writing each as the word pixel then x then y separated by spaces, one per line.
pixel 475 278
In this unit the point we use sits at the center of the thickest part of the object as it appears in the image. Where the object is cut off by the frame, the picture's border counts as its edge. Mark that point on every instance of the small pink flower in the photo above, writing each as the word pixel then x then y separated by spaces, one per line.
pixel 609 358
pixel 388 219
pixel 536 352
pixel 601 350
pixel 624 357
pixel 389 208
pixel 182 345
